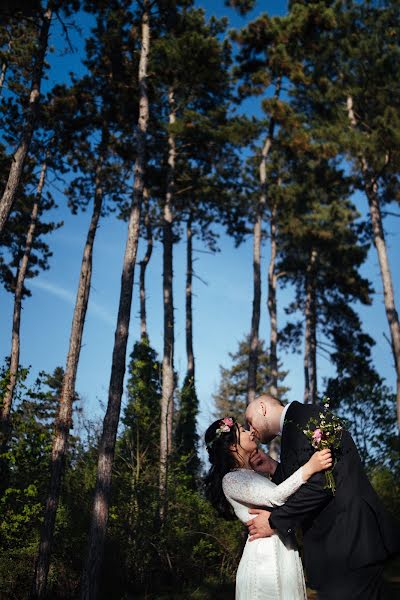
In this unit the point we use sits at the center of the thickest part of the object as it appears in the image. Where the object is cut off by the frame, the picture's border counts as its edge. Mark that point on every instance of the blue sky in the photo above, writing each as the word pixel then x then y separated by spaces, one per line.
pixel 222 308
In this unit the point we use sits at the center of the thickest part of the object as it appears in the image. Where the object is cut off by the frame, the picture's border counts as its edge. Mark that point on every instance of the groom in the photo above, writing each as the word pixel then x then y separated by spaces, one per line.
pixel 346 536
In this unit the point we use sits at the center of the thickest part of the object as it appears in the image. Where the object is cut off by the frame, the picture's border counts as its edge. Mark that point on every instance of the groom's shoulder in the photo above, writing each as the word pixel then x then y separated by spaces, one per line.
pixel 299 412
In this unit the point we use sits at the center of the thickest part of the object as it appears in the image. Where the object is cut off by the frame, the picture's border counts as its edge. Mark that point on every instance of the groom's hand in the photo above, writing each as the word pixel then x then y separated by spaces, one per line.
pixel 259 527
pixel 262 462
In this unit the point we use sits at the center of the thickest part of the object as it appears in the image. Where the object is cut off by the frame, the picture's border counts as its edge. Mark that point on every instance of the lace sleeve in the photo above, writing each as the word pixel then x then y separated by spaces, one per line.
pixel 252 488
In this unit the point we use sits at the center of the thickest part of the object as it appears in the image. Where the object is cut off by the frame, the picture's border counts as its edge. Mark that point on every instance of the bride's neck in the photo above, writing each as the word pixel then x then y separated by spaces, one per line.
pixel 245 461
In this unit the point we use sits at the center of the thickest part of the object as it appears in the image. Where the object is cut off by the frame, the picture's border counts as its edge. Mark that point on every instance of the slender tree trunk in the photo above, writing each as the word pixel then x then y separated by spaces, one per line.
pixel 388 293
pixel 63 423
pixel 18 159
pixel 91 574
pixel 4 67
pixel 371 191
pixel 257 238
pixel 274 446
pixel 2 76
pixel 313 344
pixel 255 316
pixel 272 281
pixel 189 296
pixel 310 333
pixel 143 265
pixel 5 414
pixel 306 357
pixel 168 384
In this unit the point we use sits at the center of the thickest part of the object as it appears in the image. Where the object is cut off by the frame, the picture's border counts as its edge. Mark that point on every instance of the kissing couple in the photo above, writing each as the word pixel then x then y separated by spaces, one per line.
pixel 347 535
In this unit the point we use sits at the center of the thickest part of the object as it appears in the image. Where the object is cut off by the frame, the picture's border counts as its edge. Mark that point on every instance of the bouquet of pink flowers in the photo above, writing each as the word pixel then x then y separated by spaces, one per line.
pixel 325 432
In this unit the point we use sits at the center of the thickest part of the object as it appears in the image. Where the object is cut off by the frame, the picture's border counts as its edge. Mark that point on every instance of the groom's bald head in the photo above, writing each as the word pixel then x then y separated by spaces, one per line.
pixel 269 399
pixel 263 415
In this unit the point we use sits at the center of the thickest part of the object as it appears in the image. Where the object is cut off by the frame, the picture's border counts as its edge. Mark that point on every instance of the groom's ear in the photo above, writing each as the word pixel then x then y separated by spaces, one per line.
pixel 263 409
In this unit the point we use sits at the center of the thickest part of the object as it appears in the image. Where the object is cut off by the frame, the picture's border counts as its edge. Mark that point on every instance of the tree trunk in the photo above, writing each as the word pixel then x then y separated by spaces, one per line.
pixel 4 67
pixel 167 401
pixel 5 414
pixel 306 357
pixel 272 280
pixel 18 159
pixel 310 373
pixel 313 344
pixel 257 238
pixel 388 294
pixel 371 191
pixel 91 574
pixel 189 296
pixel 143 264
pixel 2 76
pixel 63 423
pixel 255 316
pixel 274 446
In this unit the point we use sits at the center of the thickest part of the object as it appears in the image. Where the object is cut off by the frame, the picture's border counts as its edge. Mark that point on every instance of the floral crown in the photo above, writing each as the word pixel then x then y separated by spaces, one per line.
pixel 225 426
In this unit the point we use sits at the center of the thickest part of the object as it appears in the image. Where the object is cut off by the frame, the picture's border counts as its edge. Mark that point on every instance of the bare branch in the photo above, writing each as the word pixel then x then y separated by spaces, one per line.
pixel 203 251
pixel 386 213
pixel 190 187
pixel 66 33
pixel 200 279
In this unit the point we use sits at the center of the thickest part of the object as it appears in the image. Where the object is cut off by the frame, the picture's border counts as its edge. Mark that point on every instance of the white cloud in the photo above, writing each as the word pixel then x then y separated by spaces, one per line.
pixel 69 297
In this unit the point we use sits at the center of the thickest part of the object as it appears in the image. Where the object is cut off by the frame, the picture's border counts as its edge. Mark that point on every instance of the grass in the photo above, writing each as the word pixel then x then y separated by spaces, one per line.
pixel 212 590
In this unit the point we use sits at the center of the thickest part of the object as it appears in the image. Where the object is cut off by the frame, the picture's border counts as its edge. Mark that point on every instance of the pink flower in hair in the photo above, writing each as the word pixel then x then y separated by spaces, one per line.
pixel 225 426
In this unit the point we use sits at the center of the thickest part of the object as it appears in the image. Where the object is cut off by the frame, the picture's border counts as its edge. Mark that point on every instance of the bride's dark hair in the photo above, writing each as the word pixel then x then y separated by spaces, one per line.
pixel 222 461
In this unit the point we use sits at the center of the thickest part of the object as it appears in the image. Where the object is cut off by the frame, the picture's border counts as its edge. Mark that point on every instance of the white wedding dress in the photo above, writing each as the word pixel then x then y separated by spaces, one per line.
pixel 270 568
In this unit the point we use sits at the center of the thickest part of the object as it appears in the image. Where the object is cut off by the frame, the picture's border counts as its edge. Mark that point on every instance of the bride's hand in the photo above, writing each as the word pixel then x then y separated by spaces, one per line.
pixel 319 461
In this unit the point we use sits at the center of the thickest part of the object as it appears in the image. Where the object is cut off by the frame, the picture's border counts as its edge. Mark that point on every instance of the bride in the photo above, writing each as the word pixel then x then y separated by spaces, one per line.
pixel 270 568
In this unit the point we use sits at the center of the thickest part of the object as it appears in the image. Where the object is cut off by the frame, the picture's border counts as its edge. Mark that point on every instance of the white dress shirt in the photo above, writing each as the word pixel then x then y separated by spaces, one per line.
pixel 282 420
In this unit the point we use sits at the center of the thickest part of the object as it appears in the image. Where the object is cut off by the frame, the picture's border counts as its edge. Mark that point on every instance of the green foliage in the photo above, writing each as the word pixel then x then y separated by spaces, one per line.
pixel 231 396
pixel 242 6
pixel 321 220
pixel 139 555
pixel 133 522
pixel 370 410
pixel 186 437
pixel 355 56
pixel 142 412
pixel 386 484
pixel 27 461
pixel 304 67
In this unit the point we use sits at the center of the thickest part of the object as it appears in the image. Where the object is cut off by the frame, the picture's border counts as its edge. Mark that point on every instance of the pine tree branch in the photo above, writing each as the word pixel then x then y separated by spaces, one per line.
pixel 324 356
pixel 66 33
pixel 203 251
pixel 190 187
pixel 386 213
pixel 389 341
pixel 327 344
pixel 200 279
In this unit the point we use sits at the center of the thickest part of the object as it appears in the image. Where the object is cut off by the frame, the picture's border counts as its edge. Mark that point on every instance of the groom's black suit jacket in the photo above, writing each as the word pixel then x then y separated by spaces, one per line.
pixel 348 530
